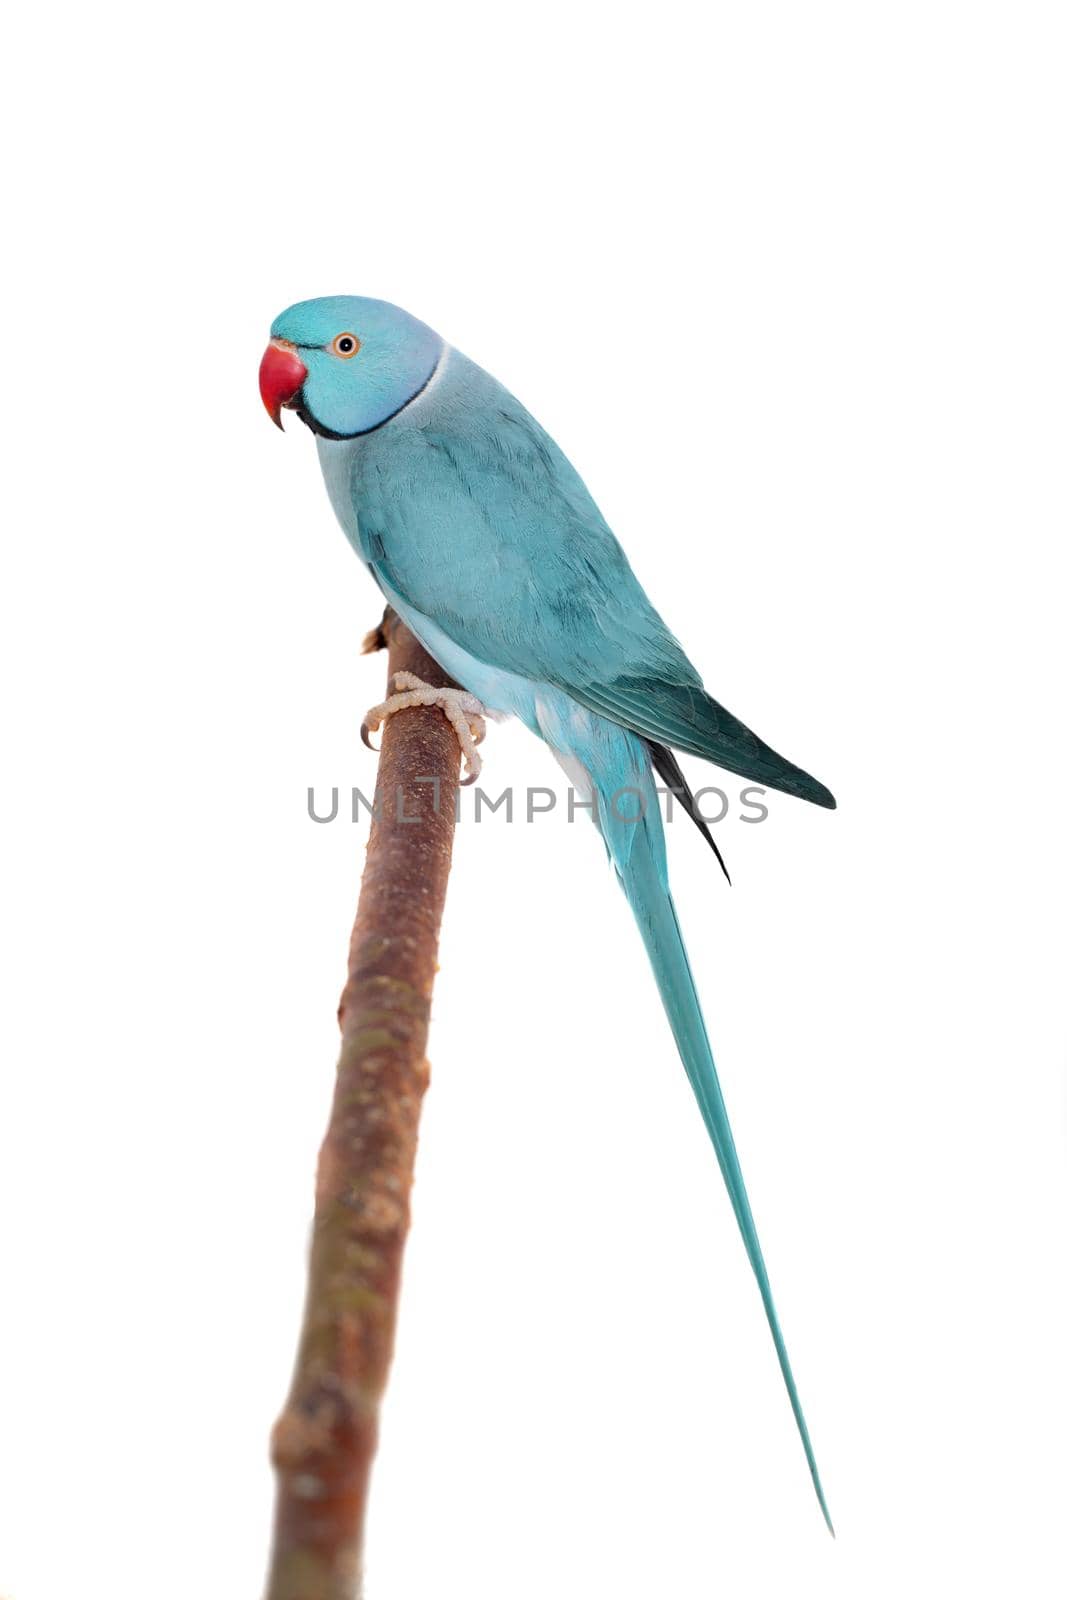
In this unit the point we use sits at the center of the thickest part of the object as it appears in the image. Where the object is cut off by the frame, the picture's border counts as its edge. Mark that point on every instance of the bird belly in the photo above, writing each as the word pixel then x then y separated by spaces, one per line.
pixel 502 693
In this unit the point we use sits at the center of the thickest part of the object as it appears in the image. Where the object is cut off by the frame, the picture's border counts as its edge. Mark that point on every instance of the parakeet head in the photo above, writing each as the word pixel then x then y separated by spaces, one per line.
pixel 345 365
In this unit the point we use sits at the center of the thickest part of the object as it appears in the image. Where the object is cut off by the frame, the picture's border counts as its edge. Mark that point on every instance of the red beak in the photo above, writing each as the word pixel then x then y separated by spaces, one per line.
pixel 281 374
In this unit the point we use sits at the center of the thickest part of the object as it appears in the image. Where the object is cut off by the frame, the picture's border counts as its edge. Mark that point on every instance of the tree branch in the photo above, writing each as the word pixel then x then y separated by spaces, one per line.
pixel 324 1441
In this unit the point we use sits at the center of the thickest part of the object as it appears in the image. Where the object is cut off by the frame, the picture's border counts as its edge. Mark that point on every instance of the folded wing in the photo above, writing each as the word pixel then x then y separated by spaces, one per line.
pixel 478 519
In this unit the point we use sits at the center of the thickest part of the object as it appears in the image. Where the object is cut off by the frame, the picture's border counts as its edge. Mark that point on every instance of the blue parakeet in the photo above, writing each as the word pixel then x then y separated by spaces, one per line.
pixel 483 537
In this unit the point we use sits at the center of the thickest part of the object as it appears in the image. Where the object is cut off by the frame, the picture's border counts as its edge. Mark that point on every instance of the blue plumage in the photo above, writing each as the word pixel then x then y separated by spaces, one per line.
pixel 485 540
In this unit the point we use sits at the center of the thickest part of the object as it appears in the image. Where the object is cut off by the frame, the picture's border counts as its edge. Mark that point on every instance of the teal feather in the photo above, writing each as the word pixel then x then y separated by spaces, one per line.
pixel 616 763
pixel 644 883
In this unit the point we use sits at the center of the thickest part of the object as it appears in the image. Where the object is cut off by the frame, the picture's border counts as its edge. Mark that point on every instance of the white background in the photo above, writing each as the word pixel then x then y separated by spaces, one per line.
pixel 787 283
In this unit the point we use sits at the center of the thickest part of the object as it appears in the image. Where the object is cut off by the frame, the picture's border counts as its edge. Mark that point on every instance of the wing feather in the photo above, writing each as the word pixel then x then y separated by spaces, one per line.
pixel 472 512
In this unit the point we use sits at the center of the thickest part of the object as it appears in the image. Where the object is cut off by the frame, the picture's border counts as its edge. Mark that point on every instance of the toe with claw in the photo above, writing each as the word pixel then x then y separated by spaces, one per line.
pixel 464 711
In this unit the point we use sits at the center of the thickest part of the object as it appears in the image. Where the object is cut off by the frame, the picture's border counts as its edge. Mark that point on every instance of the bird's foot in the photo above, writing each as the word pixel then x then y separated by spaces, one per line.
pixel 464 711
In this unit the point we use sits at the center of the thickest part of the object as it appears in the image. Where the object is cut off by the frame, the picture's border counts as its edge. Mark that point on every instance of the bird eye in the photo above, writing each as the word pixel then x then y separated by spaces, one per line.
pixel 345 346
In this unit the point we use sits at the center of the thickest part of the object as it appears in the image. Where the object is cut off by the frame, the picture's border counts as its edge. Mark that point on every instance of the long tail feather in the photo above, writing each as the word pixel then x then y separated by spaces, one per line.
pixel 643 884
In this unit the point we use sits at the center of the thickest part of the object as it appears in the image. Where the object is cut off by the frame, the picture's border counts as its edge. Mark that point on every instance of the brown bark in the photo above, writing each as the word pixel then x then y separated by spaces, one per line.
pixel 324 1441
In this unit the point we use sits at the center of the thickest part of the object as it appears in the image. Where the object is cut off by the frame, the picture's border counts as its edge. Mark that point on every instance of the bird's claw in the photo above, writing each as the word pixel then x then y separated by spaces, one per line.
pixel 464 711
